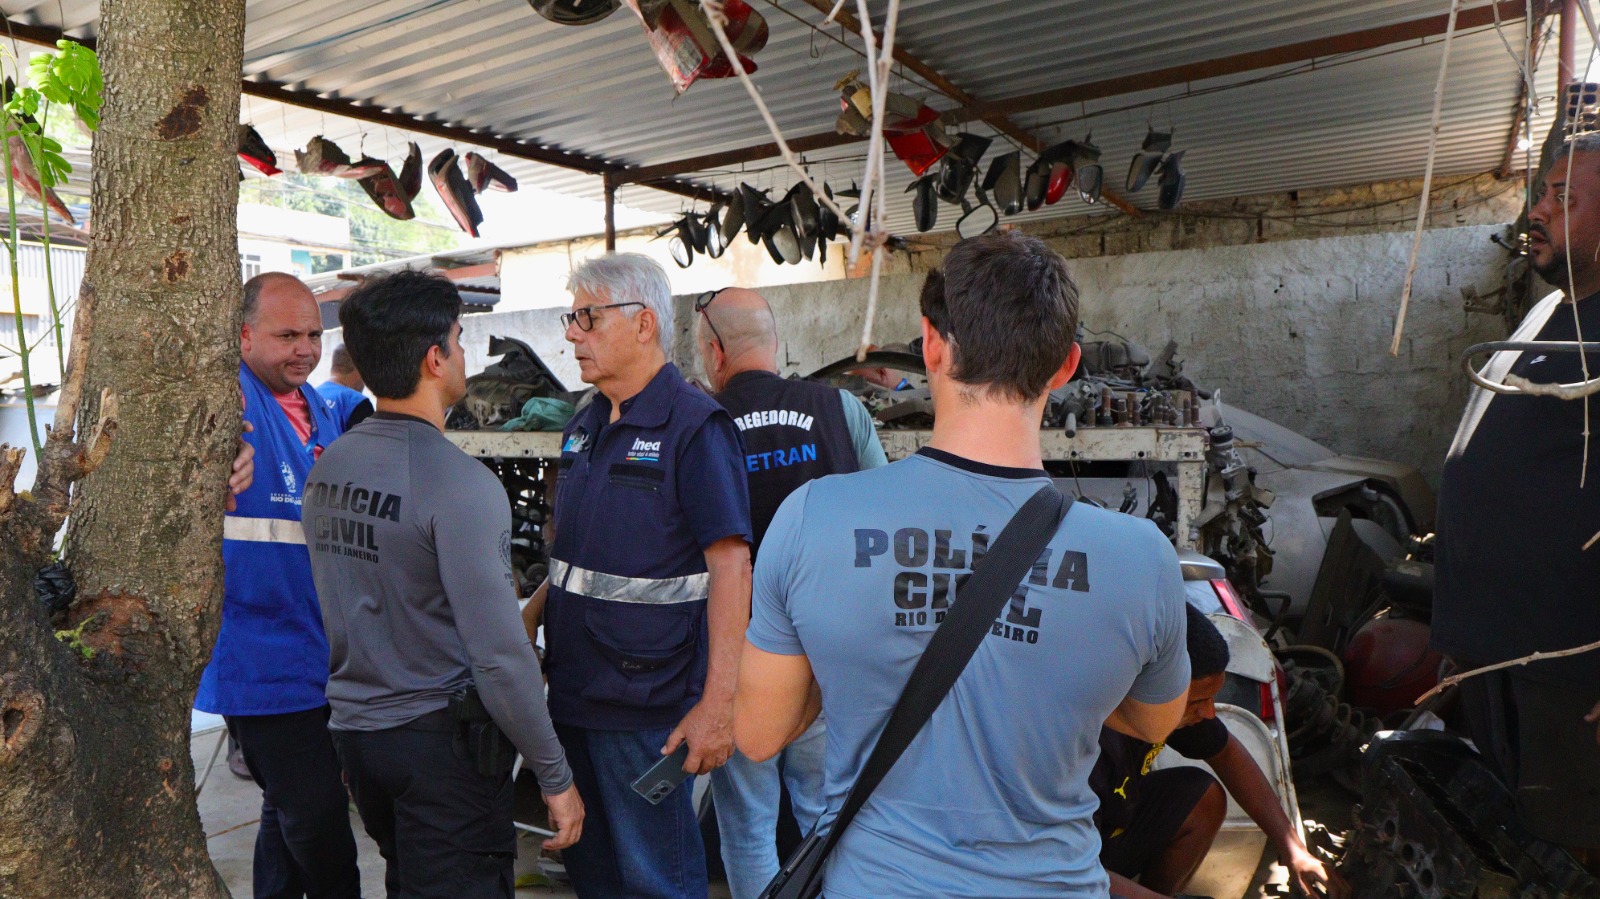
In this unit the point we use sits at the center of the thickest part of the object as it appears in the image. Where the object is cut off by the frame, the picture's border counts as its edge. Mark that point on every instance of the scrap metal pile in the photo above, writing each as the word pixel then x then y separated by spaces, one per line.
pixel 1118 385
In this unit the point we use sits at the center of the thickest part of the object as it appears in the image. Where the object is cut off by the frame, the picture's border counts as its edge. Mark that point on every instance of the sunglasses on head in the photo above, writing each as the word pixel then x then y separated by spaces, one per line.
pixel 700 304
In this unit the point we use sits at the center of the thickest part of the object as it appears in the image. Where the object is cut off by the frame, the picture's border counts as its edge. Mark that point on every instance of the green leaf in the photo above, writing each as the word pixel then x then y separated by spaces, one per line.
pixel 71 77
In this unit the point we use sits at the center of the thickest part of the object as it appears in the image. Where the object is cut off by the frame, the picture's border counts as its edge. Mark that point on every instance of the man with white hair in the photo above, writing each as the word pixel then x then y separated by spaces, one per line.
pixel 649 587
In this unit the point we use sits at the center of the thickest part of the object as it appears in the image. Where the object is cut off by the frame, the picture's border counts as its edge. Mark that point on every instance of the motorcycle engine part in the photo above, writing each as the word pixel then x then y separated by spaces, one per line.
pixel 1388 664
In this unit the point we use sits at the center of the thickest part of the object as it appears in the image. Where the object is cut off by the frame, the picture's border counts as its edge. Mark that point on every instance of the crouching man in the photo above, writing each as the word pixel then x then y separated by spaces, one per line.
pixel 430 669
pixel 1157 826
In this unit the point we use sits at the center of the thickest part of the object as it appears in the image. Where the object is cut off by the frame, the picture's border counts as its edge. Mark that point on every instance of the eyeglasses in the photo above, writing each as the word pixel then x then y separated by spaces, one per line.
pixel 585 315
pixel 700 304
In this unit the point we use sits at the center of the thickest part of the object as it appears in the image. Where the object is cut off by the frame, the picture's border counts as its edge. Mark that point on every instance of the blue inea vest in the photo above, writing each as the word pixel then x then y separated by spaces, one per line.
pixel 271 655
pixel 625 622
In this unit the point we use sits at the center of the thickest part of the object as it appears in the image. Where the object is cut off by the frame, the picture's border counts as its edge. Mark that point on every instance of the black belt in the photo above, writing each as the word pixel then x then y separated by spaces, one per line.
pixel 437 721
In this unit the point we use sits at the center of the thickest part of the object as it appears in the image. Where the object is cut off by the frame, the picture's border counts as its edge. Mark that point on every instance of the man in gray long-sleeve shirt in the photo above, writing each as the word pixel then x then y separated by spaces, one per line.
pixel 410 549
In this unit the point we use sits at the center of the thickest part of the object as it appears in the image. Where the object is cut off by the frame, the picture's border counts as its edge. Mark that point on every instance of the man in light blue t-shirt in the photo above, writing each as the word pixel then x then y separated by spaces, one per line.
pixel 992 798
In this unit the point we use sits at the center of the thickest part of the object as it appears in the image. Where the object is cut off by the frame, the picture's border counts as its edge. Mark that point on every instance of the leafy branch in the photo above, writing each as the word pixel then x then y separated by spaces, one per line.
pixel 69 78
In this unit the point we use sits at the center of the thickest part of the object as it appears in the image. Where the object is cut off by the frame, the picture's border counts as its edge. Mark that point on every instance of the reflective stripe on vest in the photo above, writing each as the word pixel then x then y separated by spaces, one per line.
pixel 262 530
pixel 616 588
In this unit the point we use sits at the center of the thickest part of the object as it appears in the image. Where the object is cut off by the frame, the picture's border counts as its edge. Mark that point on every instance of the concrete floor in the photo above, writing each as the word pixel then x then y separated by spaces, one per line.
pixel 230 809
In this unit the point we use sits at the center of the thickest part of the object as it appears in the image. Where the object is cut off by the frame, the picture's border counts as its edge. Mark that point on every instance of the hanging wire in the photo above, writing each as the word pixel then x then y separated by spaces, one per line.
pixel 1427 178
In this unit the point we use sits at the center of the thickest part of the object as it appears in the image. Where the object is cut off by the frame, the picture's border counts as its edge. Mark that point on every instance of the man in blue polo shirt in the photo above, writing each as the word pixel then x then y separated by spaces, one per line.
pixel 342 392
pixel 992 798
pixel 269 671
pixel 649 587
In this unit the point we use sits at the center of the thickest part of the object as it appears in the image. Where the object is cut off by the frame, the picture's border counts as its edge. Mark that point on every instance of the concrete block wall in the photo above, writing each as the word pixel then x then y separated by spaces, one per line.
pixel 1294 330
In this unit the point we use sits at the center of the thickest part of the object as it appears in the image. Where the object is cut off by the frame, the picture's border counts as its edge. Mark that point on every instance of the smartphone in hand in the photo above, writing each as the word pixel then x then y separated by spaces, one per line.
pixel 664 776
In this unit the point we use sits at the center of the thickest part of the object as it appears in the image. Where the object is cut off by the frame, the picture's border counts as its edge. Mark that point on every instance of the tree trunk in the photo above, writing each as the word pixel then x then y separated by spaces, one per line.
pixel 96 784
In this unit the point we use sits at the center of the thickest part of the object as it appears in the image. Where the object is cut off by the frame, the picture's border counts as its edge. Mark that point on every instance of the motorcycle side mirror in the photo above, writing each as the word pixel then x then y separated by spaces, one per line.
pixel 682 254
pixel 980 219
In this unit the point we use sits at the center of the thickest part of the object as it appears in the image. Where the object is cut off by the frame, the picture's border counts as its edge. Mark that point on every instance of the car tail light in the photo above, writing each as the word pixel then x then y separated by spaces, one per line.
pixel 1230 600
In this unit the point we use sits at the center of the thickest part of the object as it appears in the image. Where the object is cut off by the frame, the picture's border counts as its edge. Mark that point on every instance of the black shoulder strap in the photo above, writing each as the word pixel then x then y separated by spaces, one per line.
pixel 994 578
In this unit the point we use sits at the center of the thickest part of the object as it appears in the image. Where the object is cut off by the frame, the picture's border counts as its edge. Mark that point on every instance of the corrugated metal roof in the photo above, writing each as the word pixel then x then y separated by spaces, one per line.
pixel 494 64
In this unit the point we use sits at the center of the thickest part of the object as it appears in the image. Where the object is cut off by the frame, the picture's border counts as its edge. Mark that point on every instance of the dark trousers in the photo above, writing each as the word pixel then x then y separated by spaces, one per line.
pixel 444 829
pixel 304 846
pixel 1532 733
pixel 629 847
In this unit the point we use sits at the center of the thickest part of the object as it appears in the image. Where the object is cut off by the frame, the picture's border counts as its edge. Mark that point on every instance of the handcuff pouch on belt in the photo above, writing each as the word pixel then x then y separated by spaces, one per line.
pixel 477 738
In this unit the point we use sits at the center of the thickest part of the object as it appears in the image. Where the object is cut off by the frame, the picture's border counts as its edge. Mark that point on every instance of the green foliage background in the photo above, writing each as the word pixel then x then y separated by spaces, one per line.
pixel 376 236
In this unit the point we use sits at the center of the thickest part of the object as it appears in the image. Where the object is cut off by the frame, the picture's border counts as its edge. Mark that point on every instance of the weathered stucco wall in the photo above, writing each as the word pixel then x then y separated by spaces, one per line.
pixel 1297 330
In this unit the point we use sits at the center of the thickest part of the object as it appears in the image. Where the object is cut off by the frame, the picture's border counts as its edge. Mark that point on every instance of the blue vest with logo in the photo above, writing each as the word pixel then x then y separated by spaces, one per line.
pixel 271 655
pixel 637 502
pixel 340 399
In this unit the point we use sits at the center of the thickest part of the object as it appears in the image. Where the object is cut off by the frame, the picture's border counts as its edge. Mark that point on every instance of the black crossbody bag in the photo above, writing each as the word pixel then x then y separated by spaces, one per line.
pixel 979 601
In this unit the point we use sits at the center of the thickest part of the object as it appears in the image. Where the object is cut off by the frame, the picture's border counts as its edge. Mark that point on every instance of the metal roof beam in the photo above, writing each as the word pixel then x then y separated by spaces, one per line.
pixel 521 149
pixel 1240 63
pixel 949 88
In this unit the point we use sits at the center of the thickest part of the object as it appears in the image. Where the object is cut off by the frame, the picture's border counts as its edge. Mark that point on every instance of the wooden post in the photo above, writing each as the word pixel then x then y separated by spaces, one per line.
pixel 1566 69
pixel 611 213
